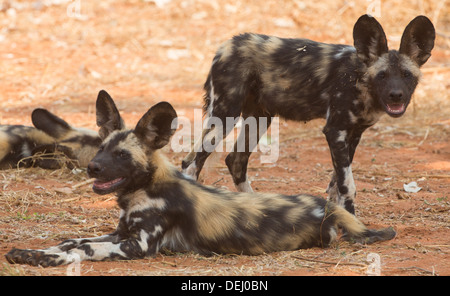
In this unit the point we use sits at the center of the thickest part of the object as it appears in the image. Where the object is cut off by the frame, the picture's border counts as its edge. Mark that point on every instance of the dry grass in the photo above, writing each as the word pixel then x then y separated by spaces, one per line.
pixel 50 206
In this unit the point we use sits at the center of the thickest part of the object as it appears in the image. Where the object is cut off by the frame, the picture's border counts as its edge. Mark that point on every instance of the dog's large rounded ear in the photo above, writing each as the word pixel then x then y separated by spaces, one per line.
pixel 49 123
pixel 157 125
pixel 369 39
pixel 108 117
pixel 418 40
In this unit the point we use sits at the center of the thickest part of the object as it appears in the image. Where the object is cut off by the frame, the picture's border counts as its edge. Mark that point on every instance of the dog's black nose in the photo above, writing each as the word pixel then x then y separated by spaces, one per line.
pixel 94 168
pixel 396 95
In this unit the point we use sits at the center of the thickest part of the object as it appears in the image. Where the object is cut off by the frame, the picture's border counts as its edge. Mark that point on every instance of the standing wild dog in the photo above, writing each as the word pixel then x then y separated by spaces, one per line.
pixel 297 79
pixel 50 144
pixel 160 207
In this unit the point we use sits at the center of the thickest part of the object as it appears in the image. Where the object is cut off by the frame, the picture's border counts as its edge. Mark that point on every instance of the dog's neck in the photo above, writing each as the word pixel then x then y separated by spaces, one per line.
pixel 164 170
pixel 160 172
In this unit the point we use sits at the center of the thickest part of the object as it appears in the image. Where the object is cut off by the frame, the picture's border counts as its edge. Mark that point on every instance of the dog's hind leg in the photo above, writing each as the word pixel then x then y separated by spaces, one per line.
pixel 193 163
pixel 221 106
pixel 255 123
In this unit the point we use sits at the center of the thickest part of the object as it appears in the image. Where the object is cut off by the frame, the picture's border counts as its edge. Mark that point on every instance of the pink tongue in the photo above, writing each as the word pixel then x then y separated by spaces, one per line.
pixel 106 185
pixel 396 108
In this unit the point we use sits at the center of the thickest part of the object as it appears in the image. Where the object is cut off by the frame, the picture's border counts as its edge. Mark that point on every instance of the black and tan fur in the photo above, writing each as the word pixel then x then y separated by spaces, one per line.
pixel 298 79
pixel 51 143
pixel 162 208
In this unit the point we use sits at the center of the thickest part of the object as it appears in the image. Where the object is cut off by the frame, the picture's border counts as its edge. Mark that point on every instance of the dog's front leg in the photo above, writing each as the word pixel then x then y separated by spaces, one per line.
pixel 144 244
pixel 55 255
pixel 114 237
pixel 342 187
pixel 75 242
pixel 353 139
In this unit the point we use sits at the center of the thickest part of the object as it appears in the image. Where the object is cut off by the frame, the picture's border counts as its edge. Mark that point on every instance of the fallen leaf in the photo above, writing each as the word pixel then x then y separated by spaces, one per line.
pixel 411 187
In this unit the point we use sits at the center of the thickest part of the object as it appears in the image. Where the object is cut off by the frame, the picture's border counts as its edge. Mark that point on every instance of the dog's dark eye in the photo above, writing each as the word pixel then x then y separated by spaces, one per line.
pixel 100 149
pixel 407 74
pixel 381 75
pixel 124 154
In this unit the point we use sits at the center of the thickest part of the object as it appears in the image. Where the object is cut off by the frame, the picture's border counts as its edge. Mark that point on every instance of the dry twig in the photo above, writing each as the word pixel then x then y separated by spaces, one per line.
pixel 329 262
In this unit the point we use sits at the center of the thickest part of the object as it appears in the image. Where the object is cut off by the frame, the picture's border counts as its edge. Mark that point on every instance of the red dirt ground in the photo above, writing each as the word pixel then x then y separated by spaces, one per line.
pixel 142 54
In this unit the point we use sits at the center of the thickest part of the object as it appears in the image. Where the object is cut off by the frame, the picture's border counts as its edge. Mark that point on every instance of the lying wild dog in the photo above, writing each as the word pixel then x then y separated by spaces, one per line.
pixel 51 143
pixel 160 207
pixel 298 79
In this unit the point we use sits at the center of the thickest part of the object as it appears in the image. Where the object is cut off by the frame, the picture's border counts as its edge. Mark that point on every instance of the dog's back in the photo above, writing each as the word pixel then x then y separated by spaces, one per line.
pixel 286 77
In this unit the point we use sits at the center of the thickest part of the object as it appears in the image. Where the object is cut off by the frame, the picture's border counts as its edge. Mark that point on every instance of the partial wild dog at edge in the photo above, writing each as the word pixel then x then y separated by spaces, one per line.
pixel 298 79
pixel 163 208
pixel 50 144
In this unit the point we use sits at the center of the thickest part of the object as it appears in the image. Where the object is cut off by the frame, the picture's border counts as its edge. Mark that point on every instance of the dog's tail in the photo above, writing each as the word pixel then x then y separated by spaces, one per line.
pixel 356 231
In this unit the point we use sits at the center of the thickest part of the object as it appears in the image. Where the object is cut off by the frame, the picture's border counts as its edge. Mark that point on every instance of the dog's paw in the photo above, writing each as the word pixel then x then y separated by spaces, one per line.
pixel 32 257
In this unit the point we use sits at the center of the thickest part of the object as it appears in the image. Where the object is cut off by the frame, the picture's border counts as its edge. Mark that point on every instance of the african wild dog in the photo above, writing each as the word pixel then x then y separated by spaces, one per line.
pixel 51 143
pixel 299 79
pixel 160 207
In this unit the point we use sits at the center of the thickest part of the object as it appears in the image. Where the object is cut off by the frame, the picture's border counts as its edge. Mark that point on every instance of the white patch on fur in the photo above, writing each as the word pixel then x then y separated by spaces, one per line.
pixel 353 118
pixel 100 250
pixel 157 203
pixel 333 234
pixel 244 186
pixel 318 212
pixel 348 181
pixel 190 171
pixel 85 131
pixel 174 240
pixel 272 44
pixel 143 240
pixel 324 96
pixel 139 201
pixel 343 51
pixel 212 98
pixel 122 214
pixel 137 220
pixel 158 229
pixel 26 151
pixel 328 113
pixel 342 136
pixel 409 64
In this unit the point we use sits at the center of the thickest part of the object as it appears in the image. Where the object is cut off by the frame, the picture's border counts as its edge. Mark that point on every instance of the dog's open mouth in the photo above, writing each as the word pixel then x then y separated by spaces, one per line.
pixel 395 109
pixel 103 187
